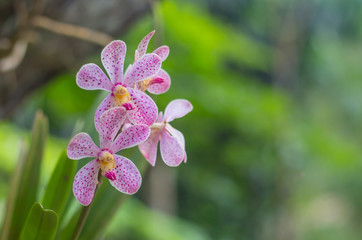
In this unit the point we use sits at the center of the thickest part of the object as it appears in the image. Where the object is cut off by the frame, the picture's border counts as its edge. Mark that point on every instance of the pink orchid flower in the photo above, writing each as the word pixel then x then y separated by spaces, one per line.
pixel 121 172
pixel 160 82
pixel 172 141
pixel 141 109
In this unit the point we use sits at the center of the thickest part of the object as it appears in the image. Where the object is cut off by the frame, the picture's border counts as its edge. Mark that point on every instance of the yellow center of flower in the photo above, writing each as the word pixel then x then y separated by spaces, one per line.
pixel 106 161
pixel 121 94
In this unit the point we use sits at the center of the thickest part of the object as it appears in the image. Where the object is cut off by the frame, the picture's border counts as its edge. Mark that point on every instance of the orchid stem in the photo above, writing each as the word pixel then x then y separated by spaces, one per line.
pixel 85 211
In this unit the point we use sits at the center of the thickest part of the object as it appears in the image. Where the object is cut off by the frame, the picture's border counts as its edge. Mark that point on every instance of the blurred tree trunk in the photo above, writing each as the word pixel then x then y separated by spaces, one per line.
pixel 34 50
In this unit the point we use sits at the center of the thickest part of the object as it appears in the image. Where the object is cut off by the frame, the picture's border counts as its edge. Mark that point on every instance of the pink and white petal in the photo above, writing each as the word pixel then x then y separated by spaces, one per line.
pixel 160 117
pixel 145 109
pixel 82 146
pixel 144 68
pixel 109 124
pixel 172 152
pixel 163 52
pixel 142 46
pixel 130 137
pixel 149 147
pixel 128 69
pixel 113 56
pixel 176 134
pixel 159 83
pixel 176 109
pixel 91 77
pixel 104 106
pixel 179 137
pixel 126 124
pixel 128 177
pixel 85 182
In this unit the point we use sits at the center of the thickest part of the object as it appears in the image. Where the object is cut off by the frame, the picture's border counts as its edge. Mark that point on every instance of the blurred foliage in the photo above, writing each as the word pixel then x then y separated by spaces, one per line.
pixel 273 142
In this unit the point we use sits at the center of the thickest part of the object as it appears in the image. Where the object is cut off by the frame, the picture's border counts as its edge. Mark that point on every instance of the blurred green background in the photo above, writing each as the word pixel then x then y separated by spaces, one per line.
pixel 273 142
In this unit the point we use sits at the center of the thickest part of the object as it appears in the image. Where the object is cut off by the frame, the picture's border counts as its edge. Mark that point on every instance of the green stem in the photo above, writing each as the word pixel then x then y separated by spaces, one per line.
pixel 85 211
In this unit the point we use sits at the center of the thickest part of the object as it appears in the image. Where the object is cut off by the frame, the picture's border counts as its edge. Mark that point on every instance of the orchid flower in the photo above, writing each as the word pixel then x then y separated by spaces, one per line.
pixel 121 172
pixel 172 141
pixel 141 109
pixel 160 82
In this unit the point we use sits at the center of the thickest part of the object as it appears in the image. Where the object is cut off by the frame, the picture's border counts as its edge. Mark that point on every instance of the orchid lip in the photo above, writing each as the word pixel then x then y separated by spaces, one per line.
pixel 107 163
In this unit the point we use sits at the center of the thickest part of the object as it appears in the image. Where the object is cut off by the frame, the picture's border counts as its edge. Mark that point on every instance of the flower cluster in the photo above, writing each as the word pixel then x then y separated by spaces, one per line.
pixel 127 117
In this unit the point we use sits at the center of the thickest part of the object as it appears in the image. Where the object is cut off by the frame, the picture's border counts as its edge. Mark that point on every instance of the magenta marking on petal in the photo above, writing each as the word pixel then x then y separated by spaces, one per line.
pixel 111 175
pixel 128 177
pixel 156 80
pixel 113 56
pixel 142 46
pixel 130 137
pixel 158 87
pixel 145 111
pixel 91 77
pixel 163 52
pixel 128 106
pixel 109 124
pixel 82 146
pixel 144 68
pixel 85 182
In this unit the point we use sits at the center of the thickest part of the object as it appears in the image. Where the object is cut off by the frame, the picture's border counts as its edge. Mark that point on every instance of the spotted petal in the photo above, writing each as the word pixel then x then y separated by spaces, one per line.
pixel 159 83
pixel 163 52
pixel 149 147
pixel 145 109
pixel 172 152
pixel 82 146
pixel 130 137
pixel 91 77
pixel 144 68
pixel 109 124
pixel 113 56
pixel 128 177
pixel 104 106
pixel 178 136
pixel 142 47
pixel 176 109
pixel 85 182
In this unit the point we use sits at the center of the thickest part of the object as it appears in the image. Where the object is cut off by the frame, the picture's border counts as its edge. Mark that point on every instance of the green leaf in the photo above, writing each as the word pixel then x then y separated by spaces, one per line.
pixel 60 184
pixel 26 179
pixel 67 232
pixel 40 224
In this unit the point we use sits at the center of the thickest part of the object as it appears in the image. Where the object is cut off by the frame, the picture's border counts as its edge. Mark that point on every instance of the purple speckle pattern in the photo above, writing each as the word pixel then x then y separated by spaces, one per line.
pixel 162 52
pixel 149 147
pixel 109 124
pixel 145 109
pixel 113 56
pixel 130 137
pixel 145 67
pixel 104 106
pixel 85 182
pixel 91 77
pixel 171 151
pixel 160 87
pixel 82 146
pixel 142 46
pixel 128 177
pixel 176 109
